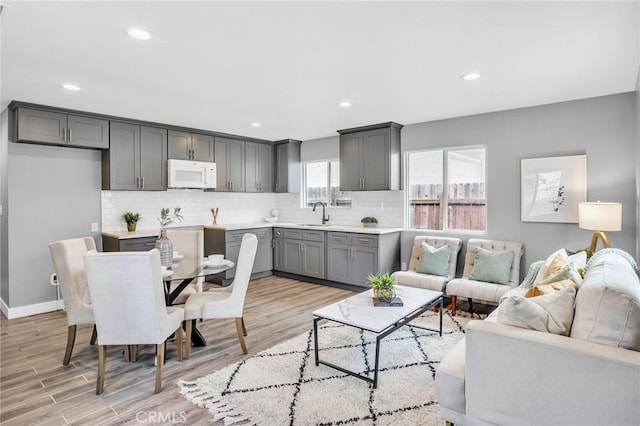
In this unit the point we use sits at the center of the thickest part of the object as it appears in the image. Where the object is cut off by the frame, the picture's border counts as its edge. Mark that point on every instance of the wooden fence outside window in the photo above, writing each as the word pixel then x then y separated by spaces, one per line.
pixel 466 206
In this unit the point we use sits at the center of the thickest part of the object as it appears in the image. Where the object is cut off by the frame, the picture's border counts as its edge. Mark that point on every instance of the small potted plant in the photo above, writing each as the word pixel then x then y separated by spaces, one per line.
pixel 369 221
pixel 131 219
pixel 382 285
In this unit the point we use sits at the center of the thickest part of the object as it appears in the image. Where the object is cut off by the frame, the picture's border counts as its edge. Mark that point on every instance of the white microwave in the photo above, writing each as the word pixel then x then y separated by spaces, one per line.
pixel 191 174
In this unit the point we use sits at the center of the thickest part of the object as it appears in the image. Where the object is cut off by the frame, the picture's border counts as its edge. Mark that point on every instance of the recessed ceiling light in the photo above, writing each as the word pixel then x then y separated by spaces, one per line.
pixel 470 76
pixel 138 33
pixel 345 104
pixel 71 87
pixel 256 124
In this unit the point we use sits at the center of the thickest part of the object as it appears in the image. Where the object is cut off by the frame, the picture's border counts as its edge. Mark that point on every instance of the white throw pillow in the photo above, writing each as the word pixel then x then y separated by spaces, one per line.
pixel 542 273
pixel 552 312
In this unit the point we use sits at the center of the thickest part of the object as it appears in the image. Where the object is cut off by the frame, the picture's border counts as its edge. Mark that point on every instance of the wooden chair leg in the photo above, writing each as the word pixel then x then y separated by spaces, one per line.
pixel 453 305
pixel 102 360
pixel 240 334
pixel 133 353
pixel 159 366
pixel 244 329
pixel 71 338
pixel 179 341
pixel 187 343
pixel 94 335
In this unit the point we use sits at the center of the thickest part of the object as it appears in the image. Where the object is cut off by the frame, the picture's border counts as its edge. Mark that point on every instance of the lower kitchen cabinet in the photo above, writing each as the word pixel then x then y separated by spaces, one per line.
pixel 110 243
pixel 299 251
pixel 221 241
pixel 352 257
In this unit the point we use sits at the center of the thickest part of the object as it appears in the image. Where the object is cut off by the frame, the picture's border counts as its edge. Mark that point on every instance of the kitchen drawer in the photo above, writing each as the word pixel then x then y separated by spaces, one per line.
pixel 339 237
pixel 231 236
pixel 313 236
pixel 138 244
pixel 365 240
pixel 294 234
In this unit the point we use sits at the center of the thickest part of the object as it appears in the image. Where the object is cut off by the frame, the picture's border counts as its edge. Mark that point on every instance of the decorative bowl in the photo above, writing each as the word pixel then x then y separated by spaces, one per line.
pixel 270 219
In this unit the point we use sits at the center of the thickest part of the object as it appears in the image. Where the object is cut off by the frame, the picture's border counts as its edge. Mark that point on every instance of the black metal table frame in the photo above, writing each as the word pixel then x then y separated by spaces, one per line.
pixel 379 336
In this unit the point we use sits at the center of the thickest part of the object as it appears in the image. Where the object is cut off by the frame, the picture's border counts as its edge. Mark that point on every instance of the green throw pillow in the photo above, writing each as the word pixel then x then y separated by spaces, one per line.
pixel 492 266
pixel 434 261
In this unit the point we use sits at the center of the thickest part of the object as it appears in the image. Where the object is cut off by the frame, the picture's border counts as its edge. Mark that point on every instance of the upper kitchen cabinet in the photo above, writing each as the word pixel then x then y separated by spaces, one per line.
pixel 288 166
pixel 50 127
pixel 190 146
pixel 136 160
pixel 229 155
pixel 258 167
pixel 370 158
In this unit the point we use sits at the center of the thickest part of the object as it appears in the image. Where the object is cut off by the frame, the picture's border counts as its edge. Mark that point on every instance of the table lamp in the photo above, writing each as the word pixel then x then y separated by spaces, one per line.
pixel 599 217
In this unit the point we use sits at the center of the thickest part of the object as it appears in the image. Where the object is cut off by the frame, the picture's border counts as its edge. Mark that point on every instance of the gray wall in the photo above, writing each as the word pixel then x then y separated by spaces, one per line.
pixel 4 229
pixel 53 194
pixel 603 128
pixel 637 93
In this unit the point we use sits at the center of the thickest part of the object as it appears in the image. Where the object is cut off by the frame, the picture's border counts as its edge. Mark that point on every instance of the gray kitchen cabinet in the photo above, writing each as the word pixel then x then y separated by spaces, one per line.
pixel 136 159
pixel 370 158
pixel 57 128
pixel 227 242
pixel 352 257
pixel 258 167
pixel 230 174
pixel 190 146
pixel 288 168
pixel 110 243
pixel 278 235
pixel 300 252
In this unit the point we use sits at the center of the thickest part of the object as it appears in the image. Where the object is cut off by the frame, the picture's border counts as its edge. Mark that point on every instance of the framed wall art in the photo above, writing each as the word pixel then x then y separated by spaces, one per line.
pixel 552 187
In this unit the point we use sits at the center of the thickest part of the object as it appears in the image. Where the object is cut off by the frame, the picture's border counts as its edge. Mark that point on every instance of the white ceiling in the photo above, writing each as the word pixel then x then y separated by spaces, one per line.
pixel 223 65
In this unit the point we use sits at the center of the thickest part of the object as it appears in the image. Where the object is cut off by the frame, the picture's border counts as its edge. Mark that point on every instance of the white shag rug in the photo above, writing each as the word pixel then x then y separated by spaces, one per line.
pixel 283 386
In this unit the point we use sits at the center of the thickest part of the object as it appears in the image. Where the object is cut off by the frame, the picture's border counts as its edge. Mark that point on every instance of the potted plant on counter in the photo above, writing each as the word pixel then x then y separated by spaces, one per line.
pixel 369 221
pixel 382 285
pixel 131 219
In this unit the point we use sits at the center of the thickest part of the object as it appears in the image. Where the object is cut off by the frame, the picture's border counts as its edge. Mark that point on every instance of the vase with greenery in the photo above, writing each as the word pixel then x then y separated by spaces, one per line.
pixel 131 219
pixel 163 244
pixel 382 285
pixel 369 221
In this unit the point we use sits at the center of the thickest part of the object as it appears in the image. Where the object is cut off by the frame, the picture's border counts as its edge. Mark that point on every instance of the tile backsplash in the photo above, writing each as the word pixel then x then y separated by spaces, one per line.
pixel 236 207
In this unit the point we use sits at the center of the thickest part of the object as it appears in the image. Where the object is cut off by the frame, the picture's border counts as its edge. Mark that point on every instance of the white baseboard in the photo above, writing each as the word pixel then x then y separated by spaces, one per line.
pixel 37 308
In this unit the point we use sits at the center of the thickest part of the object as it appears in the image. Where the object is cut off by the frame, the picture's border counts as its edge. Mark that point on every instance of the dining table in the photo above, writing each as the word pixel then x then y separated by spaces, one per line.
pixel 184 270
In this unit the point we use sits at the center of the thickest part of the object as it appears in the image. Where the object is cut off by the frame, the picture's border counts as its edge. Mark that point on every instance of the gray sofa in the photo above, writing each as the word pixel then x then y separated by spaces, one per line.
pixel 501 374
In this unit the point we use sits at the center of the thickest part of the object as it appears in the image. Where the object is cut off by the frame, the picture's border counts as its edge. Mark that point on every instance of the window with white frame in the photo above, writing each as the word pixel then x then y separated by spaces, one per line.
pixel 446 189
pixel 322 183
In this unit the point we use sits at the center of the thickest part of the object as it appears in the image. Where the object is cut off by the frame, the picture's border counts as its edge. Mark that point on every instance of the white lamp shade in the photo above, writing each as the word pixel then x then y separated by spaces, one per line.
pixel 600 216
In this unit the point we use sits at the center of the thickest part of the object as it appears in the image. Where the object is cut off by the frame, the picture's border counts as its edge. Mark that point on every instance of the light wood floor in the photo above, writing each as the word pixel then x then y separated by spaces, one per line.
pixel 35 388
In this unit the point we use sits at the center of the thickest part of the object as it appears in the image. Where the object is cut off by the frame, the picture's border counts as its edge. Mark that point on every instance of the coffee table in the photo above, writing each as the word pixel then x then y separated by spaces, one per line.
pixel 358 311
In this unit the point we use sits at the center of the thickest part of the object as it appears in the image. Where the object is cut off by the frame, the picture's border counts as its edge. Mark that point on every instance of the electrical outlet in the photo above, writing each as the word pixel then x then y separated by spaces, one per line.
pixel 54 279
pixel 94 227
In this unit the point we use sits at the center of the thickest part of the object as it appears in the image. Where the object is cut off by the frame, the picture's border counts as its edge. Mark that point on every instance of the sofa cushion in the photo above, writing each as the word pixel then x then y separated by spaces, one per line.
pixel 450 379
pixel 565 272
pixel 492 266
pixel 418 280
pixel 608 302
pixel 552 313
pixel 476 290
pixel 434 261
pixel 539 290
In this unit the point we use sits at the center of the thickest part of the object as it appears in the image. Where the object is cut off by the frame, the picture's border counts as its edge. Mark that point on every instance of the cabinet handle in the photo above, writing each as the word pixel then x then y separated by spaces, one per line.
pixel 70 134
pixel 142 182
pixel 364 240
pixel 64 135
pixel 149 244
pixel 137 182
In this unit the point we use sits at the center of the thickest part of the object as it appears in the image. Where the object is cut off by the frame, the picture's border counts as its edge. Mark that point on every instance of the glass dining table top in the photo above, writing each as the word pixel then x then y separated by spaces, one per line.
pixel 185 267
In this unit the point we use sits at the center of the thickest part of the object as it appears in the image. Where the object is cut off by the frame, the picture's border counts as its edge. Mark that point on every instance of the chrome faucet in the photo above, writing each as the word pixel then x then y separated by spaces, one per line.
pixel 324 219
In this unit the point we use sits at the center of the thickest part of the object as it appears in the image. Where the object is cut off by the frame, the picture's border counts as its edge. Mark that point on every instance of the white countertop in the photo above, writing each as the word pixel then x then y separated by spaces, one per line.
pixel 142 233
pixel 318 227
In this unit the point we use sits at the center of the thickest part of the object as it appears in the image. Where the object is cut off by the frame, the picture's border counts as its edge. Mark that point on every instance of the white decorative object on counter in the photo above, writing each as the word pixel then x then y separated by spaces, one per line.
pixel 270 219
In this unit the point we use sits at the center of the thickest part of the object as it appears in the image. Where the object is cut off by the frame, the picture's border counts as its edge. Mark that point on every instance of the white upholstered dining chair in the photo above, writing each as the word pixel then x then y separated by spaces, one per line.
pixel 68 262
pixel 227 302
pixel 129 305
pixel 189 243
